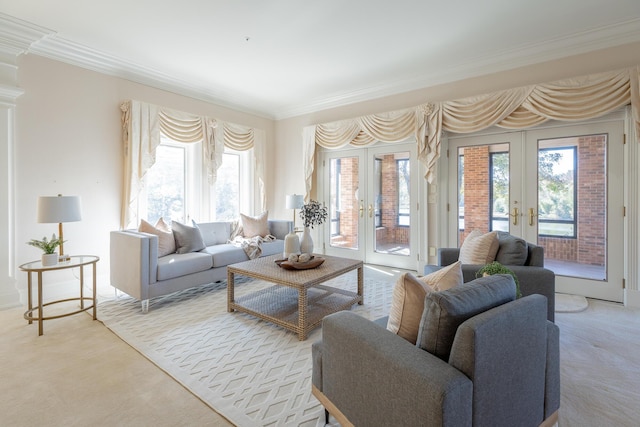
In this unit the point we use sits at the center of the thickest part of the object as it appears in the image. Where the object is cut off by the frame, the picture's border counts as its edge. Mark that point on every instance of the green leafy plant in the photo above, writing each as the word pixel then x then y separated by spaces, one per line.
pixel 497 268
pixel 47 246
pixel 313 213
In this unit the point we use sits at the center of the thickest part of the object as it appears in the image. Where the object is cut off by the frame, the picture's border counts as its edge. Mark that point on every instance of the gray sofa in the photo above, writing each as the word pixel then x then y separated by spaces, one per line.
pixel 479 361
pixel 137 270
pixel 532 276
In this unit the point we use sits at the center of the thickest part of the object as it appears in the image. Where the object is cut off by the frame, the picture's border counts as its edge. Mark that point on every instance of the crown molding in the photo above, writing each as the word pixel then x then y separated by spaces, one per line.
pixel 16 35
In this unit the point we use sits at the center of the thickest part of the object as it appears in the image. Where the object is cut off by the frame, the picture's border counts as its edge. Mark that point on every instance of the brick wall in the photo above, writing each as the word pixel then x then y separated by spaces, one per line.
pixel 476 190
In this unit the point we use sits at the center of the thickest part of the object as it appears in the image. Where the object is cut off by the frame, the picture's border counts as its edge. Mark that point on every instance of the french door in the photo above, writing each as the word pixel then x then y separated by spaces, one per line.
pixel 371 195
pixel 560 187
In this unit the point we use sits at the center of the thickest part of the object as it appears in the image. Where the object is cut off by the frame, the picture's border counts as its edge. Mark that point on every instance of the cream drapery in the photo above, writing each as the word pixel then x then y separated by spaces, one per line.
pixel 572 99
pixel 142 124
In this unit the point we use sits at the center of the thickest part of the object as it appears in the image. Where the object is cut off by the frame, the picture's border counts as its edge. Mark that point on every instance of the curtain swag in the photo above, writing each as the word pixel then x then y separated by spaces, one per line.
pixel 574 99
pixel 142 124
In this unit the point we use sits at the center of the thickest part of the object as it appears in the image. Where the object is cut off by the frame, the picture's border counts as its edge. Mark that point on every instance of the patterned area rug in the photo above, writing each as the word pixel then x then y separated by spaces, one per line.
pixel 251 372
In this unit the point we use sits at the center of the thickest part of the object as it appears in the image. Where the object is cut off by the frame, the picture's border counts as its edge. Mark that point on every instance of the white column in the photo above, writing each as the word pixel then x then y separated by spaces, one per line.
pixel 16 37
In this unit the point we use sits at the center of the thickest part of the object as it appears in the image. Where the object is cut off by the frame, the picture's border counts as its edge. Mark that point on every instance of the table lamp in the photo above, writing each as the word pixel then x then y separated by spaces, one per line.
pixel 291 240
pixel 59 209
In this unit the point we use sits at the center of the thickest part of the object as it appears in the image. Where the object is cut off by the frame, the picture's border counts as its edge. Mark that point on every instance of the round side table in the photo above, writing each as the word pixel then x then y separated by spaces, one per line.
pixel 74 261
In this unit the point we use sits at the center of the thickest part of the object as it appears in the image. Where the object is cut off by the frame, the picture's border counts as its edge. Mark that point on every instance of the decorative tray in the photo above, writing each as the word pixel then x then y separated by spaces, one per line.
pixel 314 262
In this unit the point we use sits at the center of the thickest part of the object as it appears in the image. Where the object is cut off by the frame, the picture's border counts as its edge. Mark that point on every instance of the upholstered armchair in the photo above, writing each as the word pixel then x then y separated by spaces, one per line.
pixel 525 259
pixel 482 358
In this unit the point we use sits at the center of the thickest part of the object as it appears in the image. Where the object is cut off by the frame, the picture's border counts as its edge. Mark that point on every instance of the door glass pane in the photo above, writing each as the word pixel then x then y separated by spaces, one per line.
pixel 228 188
pixel 483 189
pixel 572 205
pixel 344 202
pixel 392 202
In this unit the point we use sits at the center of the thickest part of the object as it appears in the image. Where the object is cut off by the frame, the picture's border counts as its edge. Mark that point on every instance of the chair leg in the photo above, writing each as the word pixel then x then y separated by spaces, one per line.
pixel 145 306
pixel 326 417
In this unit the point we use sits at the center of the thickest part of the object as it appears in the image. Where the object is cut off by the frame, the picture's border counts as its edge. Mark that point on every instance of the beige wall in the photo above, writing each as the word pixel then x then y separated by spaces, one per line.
pixel 68 140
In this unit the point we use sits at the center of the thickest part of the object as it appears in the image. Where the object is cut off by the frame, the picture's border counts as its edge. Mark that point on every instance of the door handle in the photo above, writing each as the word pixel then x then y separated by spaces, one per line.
pixel 361 209
pixel 532 215
pixel 515 214
pixel 370 211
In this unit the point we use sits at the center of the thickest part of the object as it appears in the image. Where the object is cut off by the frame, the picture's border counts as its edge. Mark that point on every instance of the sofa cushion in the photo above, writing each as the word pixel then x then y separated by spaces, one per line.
pixel 445 311
pixel 255 225
pixel 225 254
pixel 409 292
pixel 215 233
pixel 273 247
pixel 188 239
pixel 512 250
pixel 479 248
pixel 166 241
pixel 176 265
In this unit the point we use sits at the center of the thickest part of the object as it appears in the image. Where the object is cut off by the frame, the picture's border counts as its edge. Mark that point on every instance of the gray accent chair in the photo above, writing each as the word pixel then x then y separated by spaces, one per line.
pixel 532 276
pixel 496 367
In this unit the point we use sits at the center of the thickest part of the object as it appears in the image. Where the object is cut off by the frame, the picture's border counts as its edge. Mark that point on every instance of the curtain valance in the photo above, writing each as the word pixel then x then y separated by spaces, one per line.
pixel 142 125
pixel 572 99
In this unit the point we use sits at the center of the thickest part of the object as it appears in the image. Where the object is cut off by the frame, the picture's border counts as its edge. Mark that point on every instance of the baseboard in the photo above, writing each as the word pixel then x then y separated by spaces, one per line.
pixel 632 298
pixel 9 295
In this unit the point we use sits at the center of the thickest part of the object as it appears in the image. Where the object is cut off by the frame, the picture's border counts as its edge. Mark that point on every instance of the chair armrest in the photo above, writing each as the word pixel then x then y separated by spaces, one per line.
pixel 375 377
pixel 447 256
pixel 280 228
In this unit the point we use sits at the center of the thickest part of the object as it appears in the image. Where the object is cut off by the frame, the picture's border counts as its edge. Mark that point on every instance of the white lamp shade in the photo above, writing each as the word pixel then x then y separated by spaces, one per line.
pixel 59 209
pixel 295 201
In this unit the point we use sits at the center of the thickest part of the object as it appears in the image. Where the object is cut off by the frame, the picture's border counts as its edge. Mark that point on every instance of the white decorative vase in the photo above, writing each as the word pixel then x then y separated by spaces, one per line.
pixel 291 244
pixel 306 243
pixel 49 260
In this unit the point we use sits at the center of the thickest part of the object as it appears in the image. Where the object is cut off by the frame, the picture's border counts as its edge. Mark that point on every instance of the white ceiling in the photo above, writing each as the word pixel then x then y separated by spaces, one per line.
pixel 282 58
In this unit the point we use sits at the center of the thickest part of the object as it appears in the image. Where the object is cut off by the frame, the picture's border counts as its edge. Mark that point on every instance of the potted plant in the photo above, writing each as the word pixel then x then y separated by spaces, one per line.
pixel 497 268
pixel 50 257
pixel 312 214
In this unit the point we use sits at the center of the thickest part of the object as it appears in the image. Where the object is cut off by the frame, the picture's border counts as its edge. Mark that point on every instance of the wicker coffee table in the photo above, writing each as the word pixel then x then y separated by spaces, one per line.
pixel 298 301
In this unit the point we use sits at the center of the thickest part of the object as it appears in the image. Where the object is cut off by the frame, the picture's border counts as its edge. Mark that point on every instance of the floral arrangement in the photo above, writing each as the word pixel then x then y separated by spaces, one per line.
pixel 496 268
pixel 47 246
pixel 313 213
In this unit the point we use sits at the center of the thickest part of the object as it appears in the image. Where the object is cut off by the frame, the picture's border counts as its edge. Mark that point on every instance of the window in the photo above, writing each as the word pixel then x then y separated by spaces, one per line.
pixel 165 184
pixel 227 191
pixel 557 202
pixel 176 186
pixel 336 173
pixel 499 190
pixel 404 192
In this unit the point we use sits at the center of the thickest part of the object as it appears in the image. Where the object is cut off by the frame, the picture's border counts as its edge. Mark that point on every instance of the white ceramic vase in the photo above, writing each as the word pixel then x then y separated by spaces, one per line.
pixel 49 260
pixel 306 242
pixel 291 244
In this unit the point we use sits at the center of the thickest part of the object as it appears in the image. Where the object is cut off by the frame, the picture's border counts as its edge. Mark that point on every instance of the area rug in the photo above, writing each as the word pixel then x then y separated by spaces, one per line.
pixel 566 303
pixel 251 372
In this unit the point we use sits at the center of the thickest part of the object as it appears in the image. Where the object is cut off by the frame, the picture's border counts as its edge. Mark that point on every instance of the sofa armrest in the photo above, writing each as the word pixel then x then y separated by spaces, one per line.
pixel 133 262
pixel 374 377
pixel 280 228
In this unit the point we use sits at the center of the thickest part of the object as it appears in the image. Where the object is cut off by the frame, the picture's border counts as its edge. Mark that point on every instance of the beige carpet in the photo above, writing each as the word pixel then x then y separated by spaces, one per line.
pixel 600 366
pixel 80 374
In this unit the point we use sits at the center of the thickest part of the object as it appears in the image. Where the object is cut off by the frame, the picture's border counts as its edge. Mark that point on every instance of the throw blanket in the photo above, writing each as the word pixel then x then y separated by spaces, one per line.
pixel 252 246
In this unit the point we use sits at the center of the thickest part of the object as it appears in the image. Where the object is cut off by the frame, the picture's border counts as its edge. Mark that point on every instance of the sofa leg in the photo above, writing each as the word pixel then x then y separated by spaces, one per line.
pixel 145 306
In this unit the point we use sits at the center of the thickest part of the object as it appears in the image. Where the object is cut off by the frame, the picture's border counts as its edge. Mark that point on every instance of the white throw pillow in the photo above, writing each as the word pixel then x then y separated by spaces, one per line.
pixel 166 241
pixel 255 225
pixel 407 303
pixel 479 248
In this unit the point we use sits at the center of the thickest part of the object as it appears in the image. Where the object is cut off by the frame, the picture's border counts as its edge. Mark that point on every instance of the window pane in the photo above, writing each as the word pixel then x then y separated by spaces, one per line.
pixel 228 188
pixel 404 192
pixel 556 196
pixel 165 183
